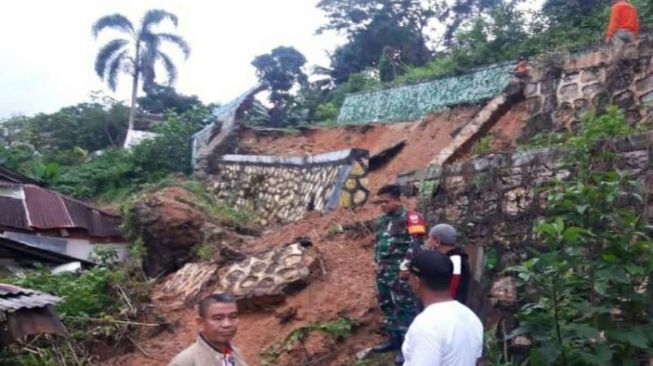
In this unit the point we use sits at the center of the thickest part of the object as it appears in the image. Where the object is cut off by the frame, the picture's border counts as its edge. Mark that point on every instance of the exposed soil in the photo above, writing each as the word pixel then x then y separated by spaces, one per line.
pixel 504 134
pixel 423 141
pixel 347 289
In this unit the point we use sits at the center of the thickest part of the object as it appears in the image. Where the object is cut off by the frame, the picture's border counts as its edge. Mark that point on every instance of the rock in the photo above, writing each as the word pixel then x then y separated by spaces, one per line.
pixel 169 227
pixel 503 292
pixel 172 224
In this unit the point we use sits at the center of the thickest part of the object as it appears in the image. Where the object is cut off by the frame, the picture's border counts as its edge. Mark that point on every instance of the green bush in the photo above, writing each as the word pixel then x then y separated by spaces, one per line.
pixel 586 287
pixel 96 308
pixel 119 172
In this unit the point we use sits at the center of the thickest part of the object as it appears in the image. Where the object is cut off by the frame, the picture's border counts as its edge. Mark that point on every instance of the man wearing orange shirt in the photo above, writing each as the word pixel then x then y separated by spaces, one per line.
pixel 624 24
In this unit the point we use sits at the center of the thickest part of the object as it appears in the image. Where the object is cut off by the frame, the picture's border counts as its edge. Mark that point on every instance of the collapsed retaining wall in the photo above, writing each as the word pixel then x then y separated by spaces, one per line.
pixel 283 189
pixel 410 102
pixel 218 137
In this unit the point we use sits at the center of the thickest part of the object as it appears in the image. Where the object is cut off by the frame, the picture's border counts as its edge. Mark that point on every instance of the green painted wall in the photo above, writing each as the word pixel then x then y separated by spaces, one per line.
pixel 409 102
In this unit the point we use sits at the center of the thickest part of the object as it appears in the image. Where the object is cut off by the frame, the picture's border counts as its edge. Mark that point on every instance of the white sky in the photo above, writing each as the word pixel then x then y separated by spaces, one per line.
pixel 47 51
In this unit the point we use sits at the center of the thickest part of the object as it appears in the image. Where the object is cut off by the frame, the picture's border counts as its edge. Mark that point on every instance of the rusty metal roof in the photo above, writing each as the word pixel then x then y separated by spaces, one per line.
pixel 35 208
pixel 14 298
pixel 12 213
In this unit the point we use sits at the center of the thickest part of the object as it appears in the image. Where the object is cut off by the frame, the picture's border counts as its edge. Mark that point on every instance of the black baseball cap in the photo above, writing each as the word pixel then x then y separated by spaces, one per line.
pixel 432 267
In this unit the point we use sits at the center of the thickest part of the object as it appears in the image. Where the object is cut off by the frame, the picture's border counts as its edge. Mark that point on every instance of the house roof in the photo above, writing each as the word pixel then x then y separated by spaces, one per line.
pixel 36 253
pixel 11 176
pixel 15 298
pixel 33 208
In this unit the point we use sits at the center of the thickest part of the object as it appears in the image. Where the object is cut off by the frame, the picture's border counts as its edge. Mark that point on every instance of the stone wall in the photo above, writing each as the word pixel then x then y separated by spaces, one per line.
pixel 283 189
pixel 410 102
pixel 564 86
pixel 494 201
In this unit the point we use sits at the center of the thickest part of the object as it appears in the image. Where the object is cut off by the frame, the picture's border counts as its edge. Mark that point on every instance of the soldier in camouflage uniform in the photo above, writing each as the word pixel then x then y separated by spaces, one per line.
pixel 399 233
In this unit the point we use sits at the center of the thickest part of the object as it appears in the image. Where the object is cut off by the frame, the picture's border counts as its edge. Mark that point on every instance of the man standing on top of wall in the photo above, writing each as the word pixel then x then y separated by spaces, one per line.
pixel 399 234
pixel 624 24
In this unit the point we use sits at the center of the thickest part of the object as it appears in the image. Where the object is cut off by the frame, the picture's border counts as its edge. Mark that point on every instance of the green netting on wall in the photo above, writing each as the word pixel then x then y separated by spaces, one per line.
pixel 409 102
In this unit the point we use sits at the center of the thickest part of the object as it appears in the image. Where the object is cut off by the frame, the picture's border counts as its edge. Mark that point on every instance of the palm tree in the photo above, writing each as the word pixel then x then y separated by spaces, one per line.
pixel 138 54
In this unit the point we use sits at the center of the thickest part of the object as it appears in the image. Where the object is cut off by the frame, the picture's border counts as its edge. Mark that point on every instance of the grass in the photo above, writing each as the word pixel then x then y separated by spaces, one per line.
pixel 337 330
pixel 483 145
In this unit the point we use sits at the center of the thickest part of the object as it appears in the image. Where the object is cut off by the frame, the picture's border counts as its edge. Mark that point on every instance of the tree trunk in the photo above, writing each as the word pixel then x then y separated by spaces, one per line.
pixel 132 109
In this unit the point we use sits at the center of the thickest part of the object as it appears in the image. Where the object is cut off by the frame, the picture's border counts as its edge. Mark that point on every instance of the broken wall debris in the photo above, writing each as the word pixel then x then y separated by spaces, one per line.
pixel 283 189
pixel 257 281
pixel 218 137
pixel 267 278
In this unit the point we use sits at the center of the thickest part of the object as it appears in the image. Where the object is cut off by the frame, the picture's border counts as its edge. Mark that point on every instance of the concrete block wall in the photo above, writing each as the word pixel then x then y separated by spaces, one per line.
pixel 565 86
pixel 284 189
pixel 495 201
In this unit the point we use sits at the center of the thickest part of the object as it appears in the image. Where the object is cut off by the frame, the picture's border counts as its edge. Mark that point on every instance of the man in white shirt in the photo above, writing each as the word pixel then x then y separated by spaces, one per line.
pixel 446 333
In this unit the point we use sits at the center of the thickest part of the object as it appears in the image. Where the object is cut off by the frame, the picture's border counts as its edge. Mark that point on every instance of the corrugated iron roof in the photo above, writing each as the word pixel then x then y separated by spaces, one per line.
pixel 15 177
pixel 32 252
pixel 44 209
pixel 14 298
pixel 12 213
pixel 98 222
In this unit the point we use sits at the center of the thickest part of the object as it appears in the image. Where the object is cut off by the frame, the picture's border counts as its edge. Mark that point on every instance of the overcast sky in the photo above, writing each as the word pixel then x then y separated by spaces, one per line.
pixel 47 50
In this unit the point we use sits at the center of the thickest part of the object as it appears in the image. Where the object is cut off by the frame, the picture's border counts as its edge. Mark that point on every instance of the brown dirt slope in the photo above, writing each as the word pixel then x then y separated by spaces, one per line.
pixel 347 289
pixel 424 141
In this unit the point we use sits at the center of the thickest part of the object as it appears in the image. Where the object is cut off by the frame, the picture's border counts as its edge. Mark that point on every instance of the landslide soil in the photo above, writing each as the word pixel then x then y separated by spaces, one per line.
pixel 424 140
pixel 347 288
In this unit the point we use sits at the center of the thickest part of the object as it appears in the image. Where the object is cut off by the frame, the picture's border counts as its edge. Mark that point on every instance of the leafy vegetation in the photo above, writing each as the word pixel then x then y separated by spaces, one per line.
pixel 337 330
pixel 587 286
pixel 98 310
pixel 65 141
pixel 483 145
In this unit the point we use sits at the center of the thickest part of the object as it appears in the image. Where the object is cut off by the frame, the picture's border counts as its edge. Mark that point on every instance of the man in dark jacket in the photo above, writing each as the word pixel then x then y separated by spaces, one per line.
pixel 442 238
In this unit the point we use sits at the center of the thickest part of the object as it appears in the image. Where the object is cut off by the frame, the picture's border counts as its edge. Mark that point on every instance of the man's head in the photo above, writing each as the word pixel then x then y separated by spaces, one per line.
pixel 442 237
pixel 389 198
pixel 218 318
pixel 430 273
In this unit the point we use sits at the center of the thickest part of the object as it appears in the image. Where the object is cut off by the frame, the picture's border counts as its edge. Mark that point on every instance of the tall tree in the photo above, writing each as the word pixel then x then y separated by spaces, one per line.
pixel 372 25
pixel 282 69
pixel 460 13
pixel 138 53
pixel 159 98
